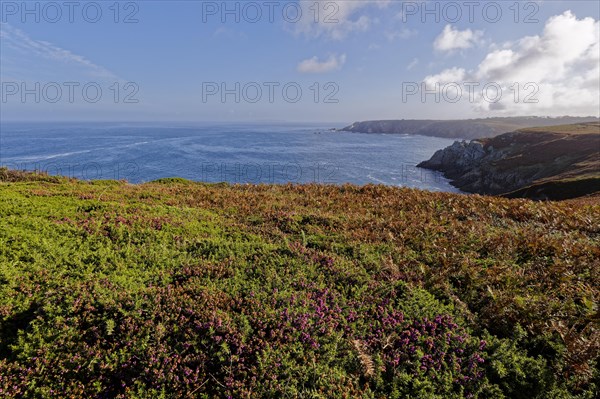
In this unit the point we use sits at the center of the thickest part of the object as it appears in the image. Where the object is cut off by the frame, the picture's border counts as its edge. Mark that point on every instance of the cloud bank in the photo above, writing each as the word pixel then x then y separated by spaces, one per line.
pixel 335 19
pixel 561 66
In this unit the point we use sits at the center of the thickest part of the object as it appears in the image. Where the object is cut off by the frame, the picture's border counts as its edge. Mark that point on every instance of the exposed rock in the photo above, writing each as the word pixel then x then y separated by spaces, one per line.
pixel 459 155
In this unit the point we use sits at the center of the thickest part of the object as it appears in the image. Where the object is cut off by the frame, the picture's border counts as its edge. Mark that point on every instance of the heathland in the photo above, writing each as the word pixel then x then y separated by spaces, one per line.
pixel 175 289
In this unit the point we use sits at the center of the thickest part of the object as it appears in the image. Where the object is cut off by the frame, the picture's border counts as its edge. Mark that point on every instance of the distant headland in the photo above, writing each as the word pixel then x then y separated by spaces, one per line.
pixel 462 129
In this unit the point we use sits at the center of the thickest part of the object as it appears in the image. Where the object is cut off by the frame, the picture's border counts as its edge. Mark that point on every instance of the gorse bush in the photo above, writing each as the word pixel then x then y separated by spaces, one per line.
pixel 175 289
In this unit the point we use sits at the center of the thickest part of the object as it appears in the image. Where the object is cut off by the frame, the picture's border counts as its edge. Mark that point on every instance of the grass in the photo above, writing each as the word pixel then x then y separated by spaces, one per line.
pixel 580 128
pixel 175 289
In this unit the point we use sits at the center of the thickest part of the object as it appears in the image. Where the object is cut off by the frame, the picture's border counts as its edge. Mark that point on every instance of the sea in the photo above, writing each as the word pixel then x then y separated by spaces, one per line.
pixel 243 153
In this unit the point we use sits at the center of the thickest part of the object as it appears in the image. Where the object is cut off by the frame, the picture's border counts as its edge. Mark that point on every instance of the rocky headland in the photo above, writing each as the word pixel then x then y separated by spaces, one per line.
pixel 558 162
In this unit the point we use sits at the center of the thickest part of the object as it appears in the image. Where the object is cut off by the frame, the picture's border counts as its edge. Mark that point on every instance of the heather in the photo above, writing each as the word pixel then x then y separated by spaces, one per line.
pixel 175 289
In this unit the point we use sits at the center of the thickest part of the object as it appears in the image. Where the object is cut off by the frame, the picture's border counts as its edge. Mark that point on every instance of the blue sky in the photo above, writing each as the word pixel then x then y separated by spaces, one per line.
pixel 363 60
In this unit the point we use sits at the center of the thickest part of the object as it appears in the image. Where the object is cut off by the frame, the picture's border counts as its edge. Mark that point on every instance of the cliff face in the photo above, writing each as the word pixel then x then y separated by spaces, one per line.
pixel 470 166
pixel 463 129
pixel 540 164
pixel 459 156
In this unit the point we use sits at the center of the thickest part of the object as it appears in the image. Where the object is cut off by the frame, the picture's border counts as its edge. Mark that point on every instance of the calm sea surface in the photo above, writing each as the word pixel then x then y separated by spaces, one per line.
pixel 235 153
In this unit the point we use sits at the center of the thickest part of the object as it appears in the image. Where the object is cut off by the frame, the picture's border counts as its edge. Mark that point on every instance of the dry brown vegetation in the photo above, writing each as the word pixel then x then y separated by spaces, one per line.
pixel 289 290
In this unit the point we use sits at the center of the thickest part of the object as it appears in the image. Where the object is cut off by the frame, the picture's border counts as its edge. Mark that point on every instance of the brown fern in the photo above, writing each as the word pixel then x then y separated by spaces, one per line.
pixel 368 368
pixel 582 346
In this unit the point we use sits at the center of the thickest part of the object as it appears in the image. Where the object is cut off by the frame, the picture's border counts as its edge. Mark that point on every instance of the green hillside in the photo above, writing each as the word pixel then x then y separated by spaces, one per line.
pixel 174 289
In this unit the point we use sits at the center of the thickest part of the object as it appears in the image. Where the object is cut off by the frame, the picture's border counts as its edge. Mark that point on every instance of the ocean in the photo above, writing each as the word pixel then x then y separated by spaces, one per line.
pixel 266 153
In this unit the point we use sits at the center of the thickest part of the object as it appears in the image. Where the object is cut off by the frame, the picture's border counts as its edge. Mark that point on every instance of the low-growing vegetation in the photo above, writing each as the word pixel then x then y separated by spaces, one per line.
pixel 175 289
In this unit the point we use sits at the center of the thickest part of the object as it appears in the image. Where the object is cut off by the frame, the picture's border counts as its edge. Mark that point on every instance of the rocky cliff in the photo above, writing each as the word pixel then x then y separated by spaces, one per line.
pixel 543 163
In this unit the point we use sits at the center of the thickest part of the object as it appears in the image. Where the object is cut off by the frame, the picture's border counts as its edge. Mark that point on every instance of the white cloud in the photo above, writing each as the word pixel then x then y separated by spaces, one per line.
pixel 404 33
pixel 562 64
pixel 334 19
pixel 453 39
pixel 451 75
pixel 313 65
pixel 412 64
pixel 19 41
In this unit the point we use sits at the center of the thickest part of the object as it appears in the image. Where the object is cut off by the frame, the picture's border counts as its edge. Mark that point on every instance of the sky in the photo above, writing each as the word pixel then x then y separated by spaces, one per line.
pixel 297 61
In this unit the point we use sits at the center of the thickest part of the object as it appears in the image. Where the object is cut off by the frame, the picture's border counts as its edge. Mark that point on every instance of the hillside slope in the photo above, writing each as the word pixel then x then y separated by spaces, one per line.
pixel 464 129
pixel 558 162
pixel 174 289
